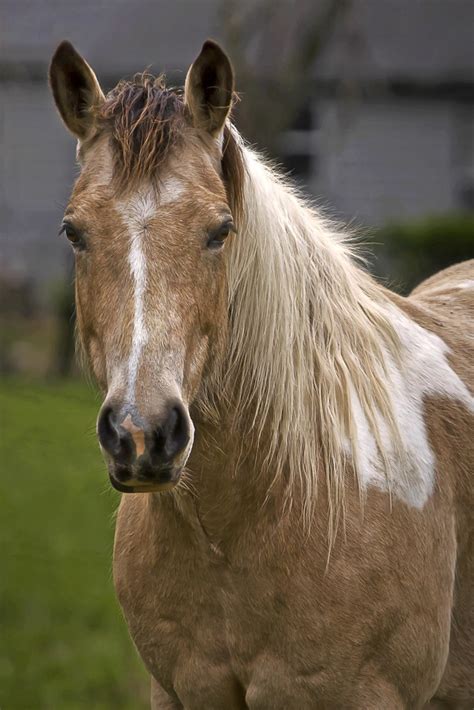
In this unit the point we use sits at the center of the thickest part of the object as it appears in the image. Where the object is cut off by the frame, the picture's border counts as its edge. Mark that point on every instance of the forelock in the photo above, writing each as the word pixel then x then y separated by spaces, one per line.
pixel 145 121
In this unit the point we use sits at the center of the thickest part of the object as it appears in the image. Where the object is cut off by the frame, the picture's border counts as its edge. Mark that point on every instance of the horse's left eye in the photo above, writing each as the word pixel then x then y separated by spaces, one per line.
pixel 73 235
pixel 218 236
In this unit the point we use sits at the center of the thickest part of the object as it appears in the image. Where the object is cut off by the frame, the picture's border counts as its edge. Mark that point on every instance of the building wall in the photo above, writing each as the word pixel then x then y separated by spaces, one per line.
pixel 391 159
pixel 37 166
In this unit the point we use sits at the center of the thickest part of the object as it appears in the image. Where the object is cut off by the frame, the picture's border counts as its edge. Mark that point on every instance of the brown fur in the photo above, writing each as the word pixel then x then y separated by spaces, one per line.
pixel 230 600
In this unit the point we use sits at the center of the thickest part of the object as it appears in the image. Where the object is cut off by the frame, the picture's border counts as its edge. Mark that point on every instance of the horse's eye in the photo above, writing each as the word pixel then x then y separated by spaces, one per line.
pixel 218 236
pixel 73 234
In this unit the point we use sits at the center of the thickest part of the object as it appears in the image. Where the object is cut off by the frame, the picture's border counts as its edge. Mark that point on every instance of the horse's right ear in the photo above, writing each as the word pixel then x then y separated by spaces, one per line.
pixel 75 89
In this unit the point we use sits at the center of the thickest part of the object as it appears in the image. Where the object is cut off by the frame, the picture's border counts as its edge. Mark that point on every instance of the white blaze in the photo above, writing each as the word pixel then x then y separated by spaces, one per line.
pixel 137 213
pixel 136 259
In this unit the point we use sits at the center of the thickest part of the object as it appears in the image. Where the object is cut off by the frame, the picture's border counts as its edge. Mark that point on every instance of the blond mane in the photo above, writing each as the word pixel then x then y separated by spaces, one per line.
pixel 309 331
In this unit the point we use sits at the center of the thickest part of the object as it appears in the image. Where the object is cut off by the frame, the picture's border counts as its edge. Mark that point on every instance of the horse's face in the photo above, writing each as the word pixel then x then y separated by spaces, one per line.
pixel 151 305
pixel 150 274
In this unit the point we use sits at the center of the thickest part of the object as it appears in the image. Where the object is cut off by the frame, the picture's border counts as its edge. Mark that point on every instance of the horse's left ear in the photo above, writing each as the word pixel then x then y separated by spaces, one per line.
pixel 209 88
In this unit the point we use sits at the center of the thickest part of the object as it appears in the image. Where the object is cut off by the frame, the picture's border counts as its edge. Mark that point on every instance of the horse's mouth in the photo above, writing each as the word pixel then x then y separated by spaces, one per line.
pixel 141 485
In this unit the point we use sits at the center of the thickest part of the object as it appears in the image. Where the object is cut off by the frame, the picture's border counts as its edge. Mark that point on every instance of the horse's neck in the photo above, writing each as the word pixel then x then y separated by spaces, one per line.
pixel 324 369
pixel 293 288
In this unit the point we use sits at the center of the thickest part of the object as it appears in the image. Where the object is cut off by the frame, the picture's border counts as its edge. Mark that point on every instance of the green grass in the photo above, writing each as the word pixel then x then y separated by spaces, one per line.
pixel 63 642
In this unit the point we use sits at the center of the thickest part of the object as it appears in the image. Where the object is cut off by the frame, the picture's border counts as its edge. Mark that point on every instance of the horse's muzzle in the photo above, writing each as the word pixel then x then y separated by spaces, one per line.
pixel 145 455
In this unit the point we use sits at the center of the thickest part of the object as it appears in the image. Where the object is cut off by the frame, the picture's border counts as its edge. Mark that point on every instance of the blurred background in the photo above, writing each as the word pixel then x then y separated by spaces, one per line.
pixel 367 104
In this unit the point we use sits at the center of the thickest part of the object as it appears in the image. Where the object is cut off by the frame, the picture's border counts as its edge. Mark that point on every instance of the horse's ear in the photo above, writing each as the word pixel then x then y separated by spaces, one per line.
pixel 75 89
pixel 209 88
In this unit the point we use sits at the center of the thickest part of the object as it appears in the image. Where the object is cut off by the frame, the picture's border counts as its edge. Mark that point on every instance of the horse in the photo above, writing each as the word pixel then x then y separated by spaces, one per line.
pixel 292 439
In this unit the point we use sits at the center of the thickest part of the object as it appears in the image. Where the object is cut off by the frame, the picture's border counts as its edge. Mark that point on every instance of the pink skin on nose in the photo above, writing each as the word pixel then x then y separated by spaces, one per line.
pixel 137 434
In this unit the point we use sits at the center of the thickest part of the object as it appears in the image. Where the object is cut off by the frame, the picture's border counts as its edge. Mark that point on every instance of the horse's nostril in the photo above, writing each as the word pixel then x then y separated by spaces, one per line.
pixel 179 427
pixel 115 440
pixel 172 436
pixel 107 431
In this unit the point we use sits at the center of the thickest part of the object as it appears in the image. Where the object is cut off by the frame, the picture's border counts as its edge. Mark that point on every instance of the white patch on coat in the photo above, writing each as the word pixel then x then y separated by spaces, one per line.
pixel 424 371
pixel 469 283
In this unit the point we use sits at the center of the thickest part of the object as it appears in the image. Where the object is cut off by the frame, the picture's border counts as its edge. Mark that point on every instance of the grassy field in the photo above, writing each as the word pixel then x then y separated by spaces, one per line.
pixel 63 642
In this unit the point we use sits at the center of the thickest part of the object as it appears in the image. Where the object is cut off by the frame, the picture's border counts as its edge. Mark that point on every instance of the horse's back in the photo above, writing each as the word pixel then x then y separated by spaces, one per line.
pixel 447 300
pixel 447 308
pixel 451 292
pixel 457 276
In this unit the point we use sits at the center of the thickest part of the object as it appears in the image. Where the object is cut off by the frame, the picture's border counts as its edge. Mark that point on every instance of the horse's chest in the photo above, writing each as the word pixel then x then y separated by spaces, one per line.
pixel 281 634
pixel 211 636
pixel 198 644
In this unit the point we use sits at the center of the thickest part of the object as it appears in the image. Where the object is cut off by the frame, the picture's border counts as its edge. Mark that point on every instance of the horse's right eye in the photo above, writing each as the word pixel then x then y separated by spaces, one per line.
pixel 218 236
pixel 73 234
